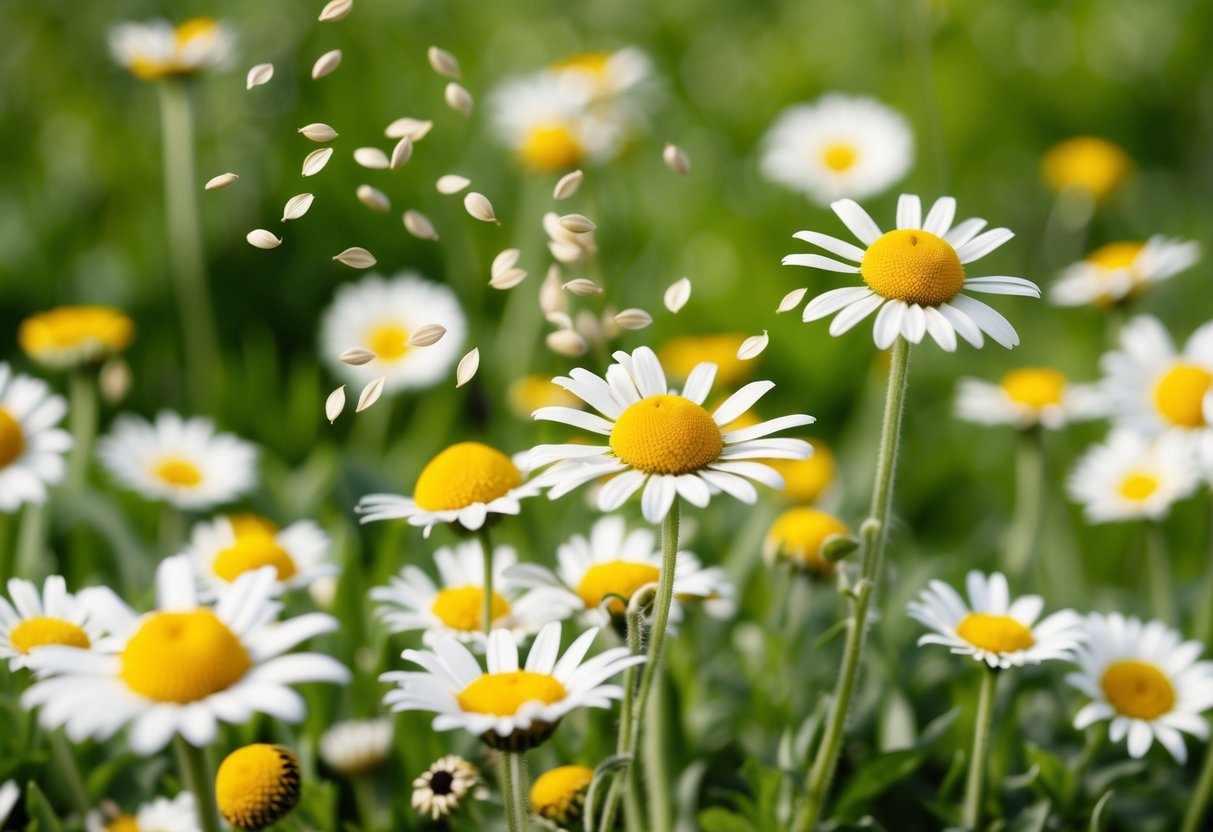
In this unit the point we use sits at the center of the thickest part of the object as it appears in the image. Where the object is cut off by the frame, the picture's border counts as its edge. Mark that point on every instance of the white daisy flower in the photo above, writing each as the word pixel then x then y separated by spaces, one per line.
pixel 839 146
pixel 380 315
pixel 598 576
pixel 1121 271
pixel 10 793
pixel 180 461
pixel 455 609
pixel 35 620
pixel 1146 679
pixel 182 668
pixel 546 120
pixel 509 708
pixel 666 443
pixel 357 746
pixel 463 484
pixel 31 447
pixel 1027 397
pixel 1133 477
pixel 915 276
pixel 991 627
pixel 605 75
pixel 162 814
pixel 157 49
pixel 439 790
pixel 226 547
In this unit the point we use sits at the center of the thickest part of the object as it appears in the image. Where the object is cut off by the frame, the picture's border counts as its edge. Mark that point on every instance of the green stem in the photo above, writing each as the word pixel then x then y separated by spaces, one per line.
pixel 1162 594
pixel 1029 501
pixel 873 537
pixel 82 417
pixel 655 775
pixel 1199 804
pixel 69 772
pixel 172 530
pixel 981 749
pixel 31 541
pixel 919 35
pixel 486 613
pixel 185 243
pixel 513 789
pixel 1203 626
pixel 364 798
pixel 196 775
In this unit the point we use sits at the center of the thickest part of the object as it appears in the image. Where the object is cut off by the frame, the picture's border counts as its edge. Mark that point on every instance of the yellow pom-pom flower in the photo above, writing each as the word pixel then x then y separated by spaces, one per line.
pixel 559 794
pixel 68 336
pixel 257 785
pixel 1086 164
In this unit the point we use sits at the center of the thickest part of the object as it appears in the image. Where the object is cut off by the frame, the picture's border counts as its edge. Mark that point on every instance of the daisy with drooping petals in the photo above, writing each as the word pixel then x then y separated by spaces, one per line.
pixel 225 548
pixel 509 708
pixel 1119 272
pixel 463 484
pixel 991 627
pixel 914 274
pixel 1146 679
pixel 31 447
pixel 70 336
pixel 180 461
pixel 598 576
pixel 1086 164
pixel 33 621
pixel 181 668
pixel 412 601
pixel 665 443
pixel 162 814
pixel 157 49
pixel 380 315
pixel 1027 397
pixel 357 746
pixel 439 790
pixel 1133 477
pixel 838 146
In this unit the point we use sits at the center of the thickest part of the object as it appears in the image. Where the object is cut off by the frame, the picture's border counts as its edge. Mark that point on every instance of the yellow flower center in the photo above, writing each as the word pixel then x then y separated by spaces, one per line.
pixel 178 471
pixel 805 480
pixel 1138 486
pixel 389 342
pixel 679 356
pixel 559 790
pixel 799 532
pixel 462 608
pixel 257 785
pixel 253 550
pixel 1115 255
pixel 40 631
pixel 93 330
pixel 196 27
pixel 1036 387
pixel 550 147
pixel 591 63
pixel 12 439
pixel 183 657
pixel 994 633
pixel 464 474
pixel 839 156
pixel 617 577
pixel 666 435
pixel 1179 395
pixel 244 524
pixel 913 266
pixel 125 823
pixel 1139 690
pixel 1087 162
pixel 503 694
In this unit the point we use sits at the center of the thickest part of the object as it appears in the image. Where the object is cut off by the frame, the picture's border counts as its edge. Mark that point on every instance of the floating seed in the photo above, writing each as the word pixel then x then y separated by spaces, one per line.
pixel 479 207
pixel 401 153
pixel 582 286
pixel 791 300
pixel 370 394
pixel 458 98
pixel 374 199
pixel 356 357
pixel 753 346
pixel 410 128
pixel 443 62
pixel 220 181
pixel 577 223
pixel 452 183
pixel 633 319
pixel 315 161
pixel 356 257
pixel 467 367
pixel 260 238
pixel 318 132
pixel 419 225
pixel 297 206
pixel 336 10
pixel 568 185
pixel 258 75
pixel 676 159
pixel 326 64
pixel 334 404
pixel 677 295
pixel 372 157
pixel 427 335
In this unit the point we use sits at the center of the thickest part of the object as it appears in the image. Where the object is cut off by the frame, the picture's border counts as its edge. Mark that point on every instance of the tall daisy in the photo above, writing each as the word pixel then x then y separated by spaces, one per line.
pixel 839 146
pixel 1146 679
pixel 1120 272
pixel 226 547
pixel 1028 397
pixel 162 814
pixel 36 620
pixel 70 336
pixel 1133 477
pixel 183 462
pixel 158 49
pixel 380 315
pixel 665 443
pixel 182 668
pixel 914 274
pixel 545 120
pixel 31 447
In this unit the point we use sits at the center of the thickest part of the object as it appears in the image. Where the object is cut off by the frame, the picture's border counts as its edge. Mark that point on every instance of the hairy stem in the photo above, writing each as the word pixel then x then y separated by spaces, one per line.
pixel 196 774
pixel 975 784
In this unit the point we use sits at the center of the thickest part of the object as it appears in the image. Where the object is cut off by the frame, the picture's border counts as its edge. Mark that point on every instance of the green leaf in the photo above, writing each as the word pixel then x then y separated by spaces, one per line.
pixel 1031 819
pixel 875 777
pixel 717 819
pixel 39 809
pixel 1055 779
pixel 1101 813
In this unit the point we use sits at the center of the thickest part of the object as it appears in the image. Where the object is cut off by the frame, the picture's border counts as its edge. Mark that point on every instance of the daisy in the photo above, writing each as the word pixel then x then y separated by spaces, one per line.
pixel 797 536
pixel 463 484
pixel 1028 397
pixel 1146 679
pixel 379 315
pixel 991 627
pixel 1119 272
pixel 838 146
pixel 558 795
pixel 156 49
pixel 180 461
pixel 34 621
pixel 666 443
pixel 545 119
pixel 509 708
pixel 226 547
pixel 604 75
pixel 598 576
pixel 914 275
pixel 257 785
pixel 159 815
pixel 31 447
pixel 412 601
pixel 181 668
pixel 357 746
pixel 1133 477
pixel 440 789
pixel 1086 164
pixel 71 336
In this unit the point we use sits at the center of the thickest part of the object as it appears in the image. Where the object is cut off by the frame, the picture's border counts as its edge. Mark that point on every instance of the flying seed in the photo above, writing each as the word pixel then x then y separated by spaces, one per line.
pixel 567 342
pixel 356 257
pixel 559 319
pixel 551 297
pixel 568 185
pixel 582 286
pixel 458 98
pixel 479 207
pixel 220 181
pixel 508 279
pixel 401 153
pixel 419 225
pixel 258 75
pixel 677 295
pixel 336 10
pixel 356 357
pixel 260 238
pixel 505 261
pixel 410 128
pixel 326 64
pixel 791 300
pixel 427 335
pixel 374 199
pixel 753 346
pixel 372 157
pixel 633 319
pixel 370 394
pixel 297 206
pixel 443 62
pixel 676 159
pixel 467 367
pixel 334 404
pixel 315 161
pixel 451 183
pixel 318 132
pixel 577 223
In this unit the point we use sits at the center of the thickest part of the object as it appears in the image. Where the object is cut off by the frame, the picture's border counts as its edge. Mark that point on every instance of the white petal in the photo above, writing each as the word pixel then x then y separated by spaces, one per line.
pixel 816 261
pixel 827 303
pixel 983 244
pixel 658 497
pixel 855 313
pixel 857 220
pixel 888 323
pixel 990 320
pixel 831 244
pixel 939 218
pixel 963 325
pixel 699 382
pixel 741 401
pixel 909 211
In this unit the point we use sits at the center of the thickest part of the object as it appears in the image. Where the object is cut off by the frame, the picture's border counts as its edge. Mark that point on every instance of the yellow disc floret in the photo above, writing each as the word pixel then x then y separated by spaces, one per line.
pixel 123 823
pixel 666 435
pixel 994 633
pixel 257 785
pixel 550 147
pixel 253 551
pixel 799 533
pixel 245 524
pixel 462 608
pixel 389 342
pixel 1138 690
pixel 183 657
pixel 839 156
pixel 464 474
pixel 1087 163
pixel 71 335
pixel 913 266
pixel 1138 486
pixel 503 694
pixel 618 577
pixel 1034 387
pixel 178 471
pixel 12 439
pixel 559 793
pixel 1180 394
pixel 1115 255
pixel 40 631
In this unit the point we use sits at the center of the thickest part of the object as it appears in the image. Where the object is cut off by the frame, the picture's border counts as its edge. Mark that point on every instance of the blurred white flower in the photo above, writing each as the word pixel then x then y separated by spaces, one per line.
pixel 1027 397
pixel 31 447
pixel 157 49
pixel 1121 271
pixel 1133 477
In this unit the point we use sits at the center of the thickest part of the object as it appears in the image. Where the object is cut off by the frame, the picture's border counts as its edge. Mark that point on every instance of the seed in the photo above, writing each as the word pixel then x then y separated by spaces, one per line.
pixel 568 185
pixel 677 295
pixel 508 279
pixel 374 199
pixel 676 159
pixel 411 128
pixel 315 161
pixel 567 342
pixel 551 298
pixel 588 326
pixel 356 257
pixel 791 300
pixel 220 181
pixel 451 183
pixel 633 319
pixel 318 132
pixel 419 225
pixel 427 335
pixel 458 98
pixel 401 153
pixel 336 10
pixel 334 404
pixel 356 357
pixel 753 346
pixel 467 367
pixel 577 223
pixel 479 207
pixel 371 157
pixel 326 64
pixel 258 75
pixel 505 261
pixel 114 380
pixel 297 206
pixel 260 238
pixel 582 286
pixel 443 62
pixel 370 394
pixel 559 319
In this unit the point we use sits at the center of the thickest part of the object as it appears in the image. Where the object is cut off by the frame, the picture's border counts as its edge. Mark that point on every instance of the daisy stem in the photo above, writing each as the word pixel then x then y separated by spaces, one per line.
pixel 364 798
pixel 873 536
pixel 513 789
pixel 975 784
pixel 486 550
pixel 82 393
pixel 195 772
pixel 1203 626
pixel 69 772
pixel 655 774
pixel 31 540
pixel 1199 804
pixel 1162 594
pixel 1029 501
